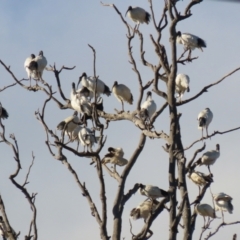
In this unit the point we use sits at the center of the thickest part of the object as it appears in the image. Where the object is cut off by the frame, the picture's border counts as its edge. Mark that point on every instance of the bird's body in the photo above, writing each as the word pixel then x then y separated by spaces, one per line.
pixel 205 210
pixel 204 119
pixel 3 112
pixel 190 41
pixel 31 74
pixel 122 93
pixel 94 85
pixel 115 156
pixel 148 108
pixel 37 65
pixel 223 202
pixel 69 124
pixel 138 15
pixel 152 192
pixel 182 85
pixel 143 210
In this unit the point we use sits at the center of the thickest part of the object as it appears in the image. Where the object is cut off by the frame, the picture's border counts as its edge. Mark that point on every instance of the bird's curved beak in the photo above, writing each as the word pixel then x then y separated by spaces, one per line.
pixel 80 78
pixel 126 12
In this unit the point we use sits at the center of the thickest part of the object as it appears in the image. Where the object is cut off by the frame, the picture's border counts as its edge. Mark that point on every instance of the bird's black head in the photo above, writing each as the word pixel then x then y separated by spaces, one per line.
pixel 129 9
pixel 33 56
pixel 40 53
pixel 141 186
pixel 179 34
pixel 115 84
pixel 110 149
pixel 218 147
pixel 75 113
pixel 73 86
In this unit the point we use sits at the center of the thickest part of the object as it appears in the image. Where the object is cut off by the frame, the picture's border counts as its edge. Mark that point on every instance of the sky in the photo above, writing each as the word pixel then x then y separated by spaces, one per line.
pixel 63 30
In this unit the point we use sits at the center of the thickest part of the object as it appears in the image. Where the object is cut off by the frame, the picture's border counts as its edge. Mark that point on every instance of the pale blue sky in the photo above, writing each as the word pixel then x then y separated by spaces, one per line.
pixel 62 29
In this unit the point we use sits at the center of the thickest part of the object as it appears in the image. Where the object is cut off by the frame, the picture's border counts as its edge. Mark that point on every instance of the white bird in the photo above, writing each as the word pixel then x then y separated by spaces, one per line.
pixel 37 65
pixel 143 210
pixel 148 108
pixel 30 73
pixel 122 93
pixel 3 112
pixel 204 119
pixel 205 210
pixel 115 156
pixel 200 178
pixel 69 124
pixel 91 84
pixel 209 157
pixel 138 15
pixel 152 192
pixel 182 85
pixel 223 202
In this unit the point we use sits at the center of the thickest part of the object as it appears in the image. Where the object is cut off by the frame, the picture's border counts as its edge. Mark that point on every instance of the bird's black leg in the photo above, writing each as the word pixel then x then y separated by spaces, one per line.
pixel 122 106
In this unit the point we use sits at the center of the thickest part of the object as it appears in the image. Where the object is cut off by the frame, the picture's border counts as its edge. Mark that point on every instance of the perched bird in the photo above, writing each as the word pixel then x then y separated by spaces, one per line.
pixel 223 202
pixel 209 157
pixel 91 84
pixel 205 210
pixel 115 156
pixel 69 124
pixel 190 42
pixel 152 192
pixel 148 108
pixel 204 119
pixel 143 210
pixel 37 65
pixel 122 93
pixel 3 112
pixel 138 15
pixel 30 73
pixel 200 178
pixel 182 85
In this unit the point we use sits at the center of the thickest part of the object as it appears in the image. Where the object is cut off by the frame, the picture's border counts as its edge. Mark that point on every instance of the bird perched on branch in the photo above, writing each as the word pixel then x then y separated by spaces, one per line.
pixel 3 112
pixel 115 156
pixel 37 65
pixel 205 210
pixel 200 178
pixel 143 210
pixel 138 15
pixel 182 85
pixel 122 93
pixel 30 73
pixel 69 124
pixel 148 108
pixel 204 119
pixel 223 202
pixel 190 42
pixel 209 157
pixel 91 84
pixel 152 192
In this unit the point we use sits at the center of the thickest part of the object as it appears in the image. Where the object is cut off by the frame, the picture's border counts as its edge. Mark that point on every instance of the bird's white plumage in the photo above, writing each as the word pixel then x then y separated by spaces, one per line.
pixel 205 210
pixel 143 210
pixel 200 178
pixel 149 105
pixel 204 119
pixel 223 202
pixel 210 157
pixel 115 156
pixel 138 15
pixel 30 73
pixel 182 84
pixel 190 41
pixel 152 191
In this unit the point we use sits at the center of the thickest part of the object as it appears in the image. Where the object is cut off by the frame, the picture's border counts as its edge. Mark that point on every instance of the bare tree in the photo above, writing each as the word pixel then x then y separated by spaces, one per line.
pixel 176 200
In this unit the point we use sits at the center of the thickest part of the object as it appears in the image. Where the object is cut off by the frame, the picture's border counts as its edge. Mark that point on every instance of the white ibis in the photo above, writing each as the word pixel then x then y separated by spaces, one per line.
pixel 138 15
pixel 190 41
pixel 182 85
pixel 143 210
pixel 37 65
pixel 205 210
pixel 3 112
pixel 223 202
pixel 122 93
pixel 30 73
pixel 69 124
pixel 148 108
pixel 209 157
pixel 92 84
pixel 200 178
pixel 152 192
pixel 204 119
pixel 115 156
